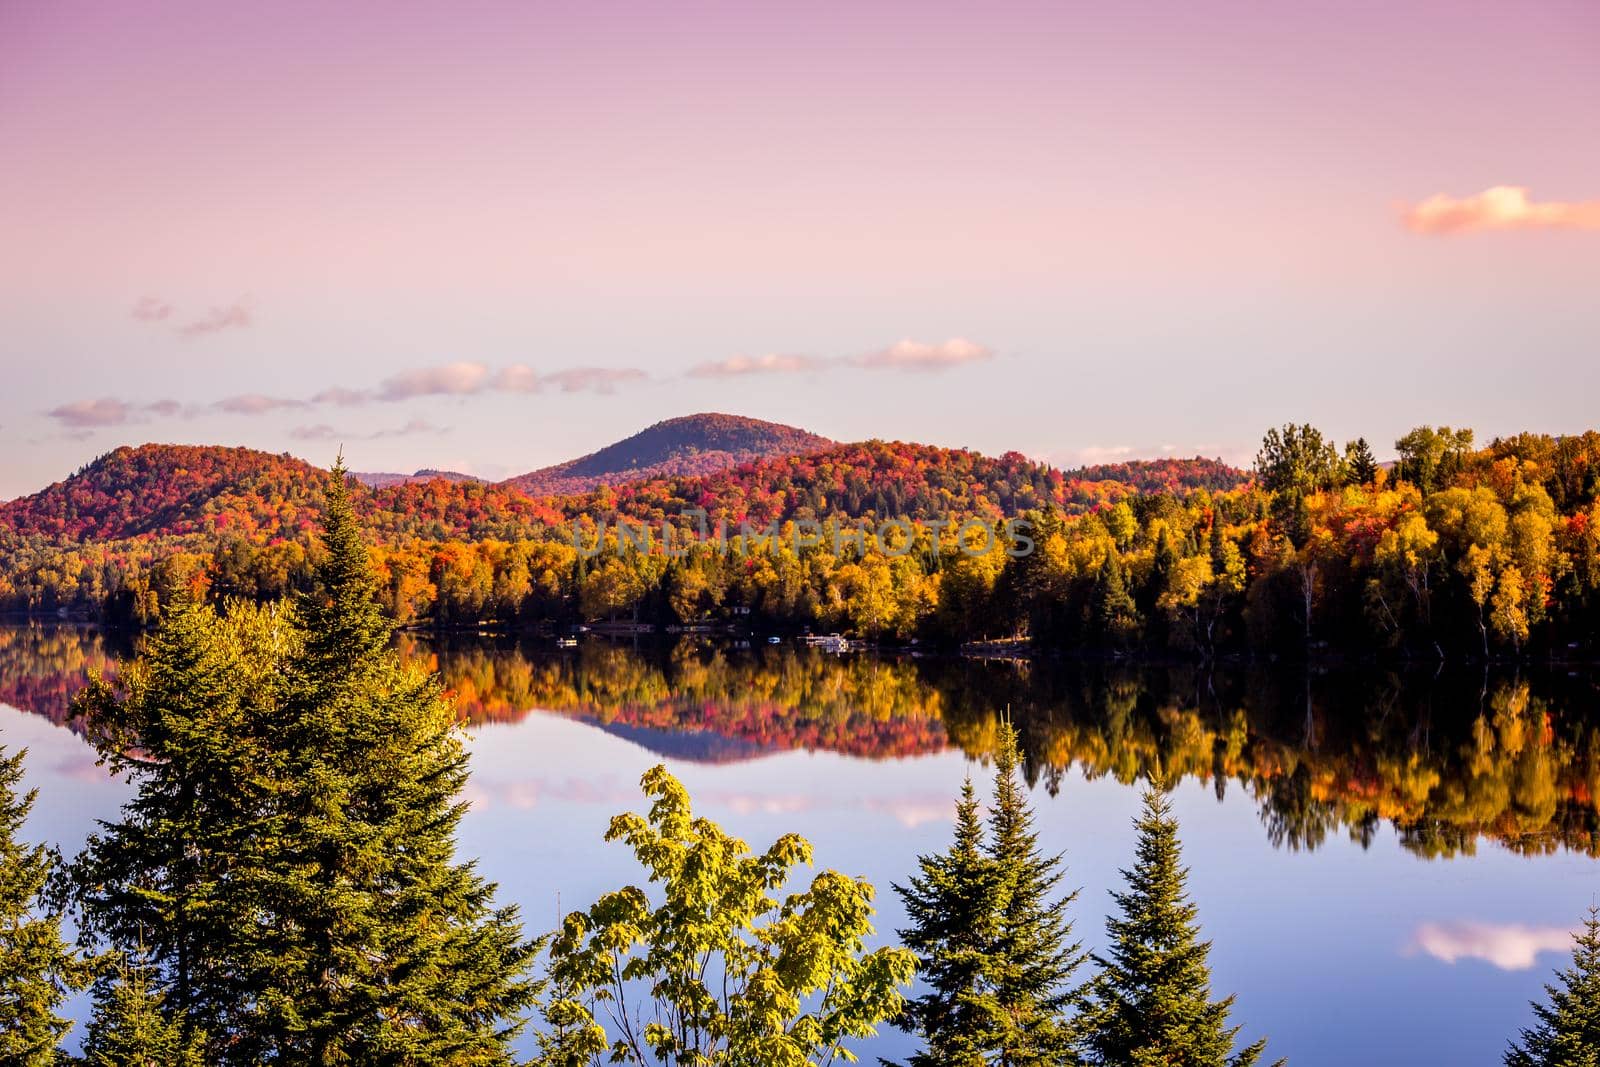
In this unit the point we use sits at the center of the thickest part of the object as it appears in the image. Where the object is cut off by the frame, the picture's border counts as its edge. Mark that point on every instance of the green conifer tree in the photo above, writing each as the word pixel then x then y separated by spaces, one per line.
pixel 384 948
pixel 1152 1000
pixel 1114 615
pixel 131 1028
pixel 1360 462
pixel 288 858
pixel 1033 1001
pixel 177 878
pixel 951 905
pixel 37 969
pixel 1568 1029
pixel 994 944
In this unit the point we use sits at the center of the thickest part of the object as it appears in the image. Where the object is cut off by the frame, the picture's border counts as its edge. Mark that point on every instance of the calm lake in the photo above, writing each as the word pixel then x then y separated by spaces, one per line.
pixel 1387 865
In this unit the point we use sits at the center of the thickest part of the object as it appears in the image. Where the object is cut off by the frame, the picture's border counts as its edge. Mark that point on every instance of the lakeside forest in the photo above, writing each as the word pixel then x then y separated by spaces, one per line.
pixel 1453 552
pixel 282 887
pixel 1449 761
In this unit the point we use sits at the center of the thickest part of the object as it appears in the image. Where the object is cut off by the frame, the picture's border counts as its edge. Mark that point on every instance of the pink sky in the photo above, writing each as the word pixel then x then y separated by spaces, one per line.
pixel 1161 225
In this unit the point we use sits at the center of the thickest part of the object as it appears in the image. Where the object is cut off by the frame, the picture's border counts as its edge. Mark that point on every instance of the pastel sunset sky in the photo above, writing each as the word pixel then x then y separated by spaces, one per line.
pixel 490 236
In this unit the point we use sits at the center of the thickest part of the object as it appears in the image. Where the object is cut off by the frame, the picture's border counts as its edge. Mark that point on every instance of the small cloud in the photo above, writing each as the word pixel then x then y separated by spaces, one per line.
pixel 452 379
pixel 593 379
pixel 164 408
pixel 151 309
pixel 770 363
pixel 1508 946
pixel 917 356
pixel 1503 207
pixel 410 429
pixel 518 378
pixel 256 404
pixel 90 414
pixel 321 431
pixel 318 432
pixel 912 813
pixel 1091 455
pixel 231 317
pixel 344 398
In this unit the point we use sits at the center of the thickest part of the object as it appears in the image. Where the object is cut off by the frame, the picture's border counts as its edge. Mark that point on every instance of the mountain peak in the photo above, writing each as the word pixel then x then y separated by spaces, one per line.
pixel 689 444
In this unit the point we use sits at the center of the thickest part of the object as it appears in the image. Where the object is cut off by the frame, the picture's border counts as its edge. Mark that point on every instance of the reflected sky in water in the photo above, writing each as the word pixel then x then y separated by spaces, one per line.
pixel 1387 875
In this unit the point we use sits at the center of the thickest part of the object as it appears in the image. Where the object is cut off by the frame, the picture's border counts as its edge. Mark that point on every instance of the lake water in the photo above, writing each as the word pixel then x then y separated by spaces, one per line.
pixel 1387 865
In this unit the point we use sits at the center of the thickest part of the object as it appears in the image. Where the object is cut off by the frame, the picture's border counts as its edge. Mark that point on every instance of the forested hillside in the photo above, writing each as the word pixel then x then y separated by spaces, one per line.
pixel 123 534
pixel 1457 552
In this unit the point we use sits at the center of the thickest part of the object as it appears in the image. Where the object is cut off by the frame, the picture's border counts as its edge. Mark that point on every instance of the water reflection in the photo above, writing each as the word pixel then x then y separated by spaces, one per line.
pixel 1446 759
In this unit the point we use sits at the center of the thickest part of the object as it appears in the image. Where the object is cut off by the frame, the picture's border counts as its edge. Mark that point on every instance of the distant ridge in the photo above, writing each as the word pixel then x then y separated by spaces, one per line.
pixel 382 480
pixel 738 468
pixel 689 445
pixel 1168 475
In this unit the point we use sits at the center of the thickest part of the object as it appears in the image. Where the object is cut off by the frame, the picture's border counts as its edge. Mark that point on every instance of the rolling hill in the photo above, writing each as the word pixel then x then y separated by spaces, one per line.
pixel 690 445
pixel 213 493
pixel 169 490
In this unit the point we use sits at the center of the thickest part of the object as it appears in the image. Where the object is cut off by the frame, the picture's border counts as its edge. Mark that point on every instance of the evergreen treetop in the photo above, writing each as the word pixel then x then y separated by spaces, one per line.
pixel 288 858
pixel 130 1026
pixel 1567 1032
pixel 1152 999
pixel 385 948
pixel 996 956
pixel 951 908
pixel 37 968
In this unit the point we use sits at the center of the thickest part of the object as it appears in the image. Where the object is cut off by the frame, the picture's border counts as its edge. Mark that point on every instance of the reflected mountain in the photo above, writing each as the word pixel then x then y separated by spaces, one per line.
pixel 43 666
pixel 1446 759
pixel 700 701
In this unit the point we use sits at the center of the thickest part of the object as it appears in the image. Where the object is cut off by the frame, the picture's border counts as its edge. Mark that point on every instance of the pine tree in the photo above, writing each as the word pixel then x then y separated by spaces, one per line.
pixel 1360 462
pixel 288 858
pixel 1033 959
pixel 1568 1030
pixel 994 946
pixel 1115 617
pixel 177 878
pixel 951 905
pixel 37 969
pixel 384 947
pixel 130 1027
pixel 1152 1000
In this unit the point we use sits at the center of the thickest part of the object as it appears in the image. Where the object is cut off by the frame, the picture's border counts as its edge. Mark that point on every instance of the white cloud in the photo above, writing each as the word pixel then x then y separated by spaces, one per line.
pixel 1508 946
pixel 255 404
pixel 770 363
pixel 229 317
pixel 451 379
pixel 88 415
pixel 916 355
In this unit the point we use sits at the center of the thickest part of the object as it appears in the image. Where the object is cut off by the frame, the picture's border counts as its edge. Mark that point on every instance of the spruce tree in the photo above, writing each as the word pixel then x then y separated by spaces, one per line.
pixel 131 1028
pixel 1033 1001
pixel 384 948
pixel 177 878
pixel 1360 462
pixel 1114 615
pixel 37 969
pixel 1568 1029
pixel 286 867
pixel 1152 999
pixel 951 905
pixel 993 941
